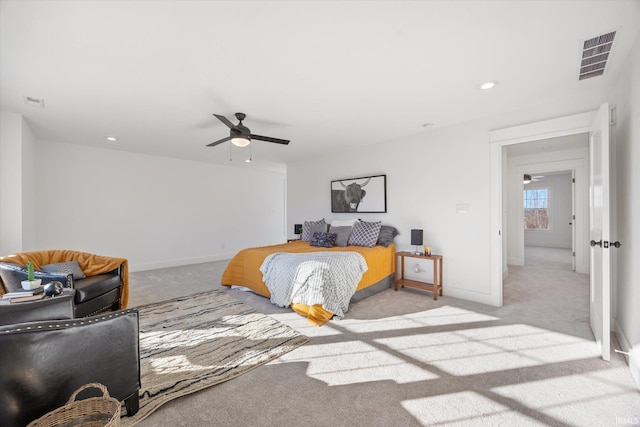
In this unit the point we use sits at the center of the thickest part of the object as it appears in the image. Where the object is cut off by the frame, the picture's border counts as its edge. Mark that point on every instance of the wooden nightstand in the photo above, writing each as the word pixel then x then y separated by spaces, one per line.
pixel 435 287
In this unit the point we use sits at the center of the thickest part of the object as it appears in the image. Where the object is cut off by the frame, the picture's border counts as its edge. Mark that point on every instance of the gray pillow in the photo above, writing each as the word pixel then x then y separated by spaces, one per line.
pixel 387 234
pixel 65 267
pixel 342 234
pixel 365 233
pixel 311 227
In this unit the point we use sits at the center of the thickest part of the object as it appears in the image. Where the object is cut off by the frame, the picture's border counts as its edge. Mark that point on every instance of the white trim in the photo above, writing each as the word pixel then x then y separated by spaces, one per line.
pixel 554 128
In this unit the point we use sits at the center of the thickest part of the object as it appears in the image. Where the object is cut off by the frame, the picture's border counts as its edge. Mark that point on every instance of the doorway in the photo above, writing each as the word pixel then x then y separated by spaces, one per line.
pixel 597 125
pixel 558 168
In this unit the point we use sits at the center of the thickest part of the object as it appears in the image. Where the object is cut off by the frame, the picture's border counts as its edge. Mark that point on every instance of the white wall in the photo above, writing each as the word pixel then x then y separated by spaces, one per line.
pixel 627 301
pixel 427 176
pixel 17 184
pixel 154 211
pixel 559 233
pixel 30 172
pixel 10 183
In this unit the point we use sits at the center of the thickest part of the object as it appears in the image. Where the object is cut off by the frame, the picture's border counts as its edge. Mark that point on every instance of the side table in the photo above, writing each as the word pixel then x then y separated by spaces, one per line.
pixel 435 287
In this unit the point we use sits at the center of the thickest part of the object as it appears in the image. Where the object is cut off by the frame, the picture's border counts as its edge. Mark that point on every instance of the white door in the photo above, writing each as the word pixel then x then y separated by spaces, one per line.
pixel 573 220
pixel 600 300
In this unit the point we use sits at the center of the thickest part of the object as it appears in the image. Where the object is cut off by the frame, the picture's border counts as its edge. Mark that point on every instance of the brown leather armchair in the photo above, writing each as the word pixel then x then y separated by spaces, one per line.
pixel 50 354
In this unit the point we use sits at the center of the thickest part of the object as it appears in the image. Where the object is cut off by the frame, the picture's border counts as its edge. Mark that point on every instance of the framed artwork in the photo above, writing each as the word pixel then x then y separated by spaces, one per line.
pixel 367 194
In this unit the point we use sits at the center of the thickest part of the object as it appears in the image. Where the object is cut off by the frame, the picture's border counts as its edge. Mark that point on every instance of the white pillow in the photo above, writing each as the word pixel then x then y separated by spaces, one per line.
pixel 344 223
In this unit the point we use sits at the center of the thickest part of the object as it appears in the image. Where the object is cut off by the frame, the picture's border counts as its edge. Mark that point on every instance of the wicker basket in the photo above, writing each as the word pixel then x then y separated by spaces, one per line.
pixel 92 412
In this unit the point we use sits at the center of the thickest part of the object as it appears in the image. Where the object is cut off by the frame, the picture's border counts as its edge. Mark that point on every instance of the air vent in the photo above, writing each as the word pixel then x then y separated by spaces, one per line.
pixel 595 53
pixel 34 102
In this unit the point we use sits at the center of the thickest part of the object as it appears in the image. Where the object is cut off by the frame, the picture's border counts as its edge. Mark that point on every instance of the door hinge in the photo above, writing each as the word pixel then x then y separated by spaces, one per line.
pixel 573 254
pixel 573 180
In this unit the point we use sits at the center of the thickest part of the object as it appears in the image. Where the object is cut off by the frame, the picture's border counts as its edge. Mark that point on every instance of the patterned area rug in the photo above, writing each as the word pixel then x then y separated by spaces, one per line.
pixel 194 342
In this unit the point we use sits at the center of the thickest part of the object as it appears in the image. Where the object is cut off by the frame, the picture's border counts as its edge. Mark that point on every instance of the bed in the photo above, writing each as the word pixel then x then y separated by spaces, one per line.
pixel 244 270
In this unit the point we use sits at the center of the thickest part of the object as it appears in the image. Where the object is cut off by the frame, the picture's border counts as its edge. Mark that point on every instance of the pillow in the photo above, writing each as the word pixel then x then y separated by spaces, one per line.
pixel 311 227
pixel 365 233
pixel 71 267
pixel 387 234
pixel 343 223
pixel 323 240
pixel 342 234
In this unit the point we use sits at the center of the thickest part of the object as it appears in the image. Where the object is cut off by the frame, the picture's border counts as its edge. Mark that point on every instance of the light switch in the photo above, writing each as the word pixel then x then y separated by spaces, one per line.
pixel 463 208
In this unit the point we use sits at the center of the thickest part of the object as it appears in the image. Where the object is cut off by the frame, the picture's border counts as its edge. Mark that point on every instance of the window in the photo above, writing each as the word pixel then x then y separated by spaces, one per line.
pixel 536 209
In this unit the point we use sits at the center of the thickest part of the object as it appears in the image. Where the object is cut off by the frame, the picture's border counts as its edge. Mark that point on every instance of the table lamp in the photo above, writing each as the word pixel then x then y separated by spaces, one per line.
pixel 416 240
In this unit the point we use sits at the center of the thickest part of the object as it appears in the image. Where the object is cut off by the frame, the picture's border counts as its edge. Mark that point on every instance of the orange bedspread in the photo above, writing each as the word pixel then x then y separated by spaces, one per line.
pixel 244 270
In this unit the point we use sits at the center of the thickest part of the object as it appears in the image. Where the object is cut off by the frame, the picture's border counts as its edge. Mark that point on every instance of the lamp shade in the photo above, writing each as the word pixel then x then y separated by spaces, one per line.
pixel 416 237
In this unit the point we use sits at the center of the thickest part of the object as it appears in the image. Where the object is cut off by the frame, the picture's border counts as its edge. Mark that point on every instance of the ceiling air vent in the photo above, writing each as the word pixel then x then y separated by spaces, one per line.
pixel 34 102
pixel 595 53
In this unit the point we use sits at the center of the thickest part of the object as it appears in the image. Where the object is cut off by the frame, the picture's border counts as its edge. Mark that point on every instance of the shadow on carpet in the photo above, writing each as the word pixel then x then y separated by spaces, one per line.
pixel 196 341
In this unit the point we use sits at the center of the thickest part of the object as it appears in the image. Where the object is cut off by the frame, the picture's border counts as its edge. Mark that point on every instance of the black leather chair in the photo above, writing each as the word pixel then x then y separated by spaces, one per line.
pixel 94 294
pixel 43 361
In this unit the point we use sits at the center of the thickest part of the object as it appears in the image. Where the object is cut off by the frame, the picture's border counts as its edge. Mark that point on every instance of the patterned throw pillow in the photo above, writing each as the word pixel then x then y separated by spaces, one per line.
pixel 311 227
pixel 323 240
pixel 71 267
pixel 387 234
pixel 365 233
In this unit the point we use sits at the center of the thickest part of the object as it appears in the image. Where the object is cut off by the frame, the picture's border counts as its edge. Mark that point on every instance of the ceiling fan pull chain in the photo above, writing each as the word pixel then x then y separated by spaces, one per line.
pixel 230 151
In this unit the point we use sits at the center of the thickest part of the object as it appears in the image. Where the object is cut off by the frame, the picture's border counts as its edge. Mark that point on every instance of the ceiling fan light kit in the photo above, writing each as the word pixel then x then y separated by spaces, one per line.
pixel 240 135
pixel 240 141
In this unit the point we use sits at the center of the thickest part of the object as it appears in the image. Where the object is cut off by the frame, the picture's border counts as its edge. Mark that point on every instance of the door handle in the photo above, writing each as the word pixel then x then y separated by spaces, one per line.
pixel 594 243
pixel 616 244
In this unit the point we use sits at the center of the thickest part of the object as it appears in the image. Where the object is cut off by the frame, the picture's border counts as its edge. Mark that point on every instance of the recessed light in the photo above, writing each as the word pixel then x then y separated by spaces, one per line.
pixel 111 138
pixel 488 85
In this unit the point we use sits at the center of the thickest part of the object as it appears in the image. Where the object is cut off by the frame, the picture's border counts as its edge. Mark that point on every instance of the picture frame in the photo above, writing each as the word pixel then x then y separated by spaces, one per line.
pixel 349 195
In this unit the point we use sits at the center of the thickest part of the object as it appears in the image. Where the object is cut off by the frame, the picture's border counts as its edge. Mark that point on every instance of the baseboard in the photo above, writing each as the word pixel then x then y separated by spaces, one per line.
pixel 179 262
pixel 481 298
pixel 633 359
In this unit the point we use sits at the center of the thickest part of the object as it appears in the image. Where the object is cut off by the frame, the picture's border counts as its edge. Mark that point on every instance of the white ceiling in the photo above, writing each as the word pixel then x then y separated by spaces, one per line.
pixel 326 75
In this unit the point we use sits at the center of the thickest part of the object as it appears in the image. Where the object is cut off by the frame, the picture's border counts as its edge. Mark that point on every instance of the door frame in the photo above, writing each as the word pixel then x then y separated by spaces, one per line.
pixel 499 138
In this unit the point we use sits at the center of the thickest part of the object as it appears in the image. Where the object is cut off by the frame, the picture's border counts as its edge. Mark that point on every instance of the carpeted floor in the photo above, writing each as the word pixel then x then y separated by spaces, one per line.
pixel 196 341
pixel 402 359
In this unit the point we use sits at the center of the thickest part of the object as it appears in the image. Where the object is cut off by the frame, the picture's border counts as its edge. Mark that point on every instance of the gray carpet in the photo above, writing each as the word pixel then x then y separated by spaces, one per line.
pixel 402 359
pixel 194 342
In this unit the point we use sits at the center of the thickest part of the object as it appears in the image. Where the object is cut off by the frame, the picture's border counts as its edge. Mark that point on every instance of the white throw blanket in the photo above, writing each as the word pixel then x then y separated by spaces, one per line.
pixel 327 278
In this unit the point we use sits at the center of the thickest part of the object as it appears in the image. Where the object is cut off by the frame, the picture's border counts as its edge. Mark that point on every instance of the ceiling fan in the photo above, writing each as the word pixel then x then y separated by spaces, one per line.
pixel 240 135
pixel 528 178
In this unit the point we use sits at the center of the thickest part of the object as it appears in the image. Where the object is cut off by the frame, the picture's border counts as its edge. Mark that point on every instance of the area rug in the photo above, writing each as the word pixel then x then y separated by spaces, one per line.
pixel 196 341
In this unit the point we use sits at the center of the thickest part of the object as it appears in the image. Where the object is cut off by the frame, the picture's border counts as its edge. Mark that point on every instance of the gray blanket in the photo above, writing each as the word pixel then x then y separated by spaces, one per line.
pixel 327 278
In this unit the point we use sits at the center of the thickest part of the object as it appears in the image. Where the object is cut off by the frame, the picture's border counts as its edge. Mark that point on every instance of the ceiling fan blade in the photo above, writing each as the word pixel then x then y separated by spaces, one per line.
pixel 213 144
pixel 224 120
pixel 270 139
